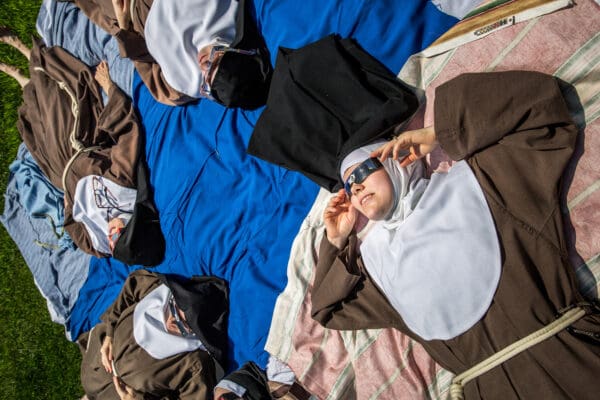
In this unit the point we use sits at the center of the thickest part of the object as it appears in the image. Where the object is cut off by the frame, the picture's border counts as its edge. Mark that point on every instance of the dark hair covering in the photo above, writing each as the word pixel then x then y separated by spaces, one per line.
pixel 205 302
pixel 243 80
pixel 253 379
pixel 142 241
pixel 327 99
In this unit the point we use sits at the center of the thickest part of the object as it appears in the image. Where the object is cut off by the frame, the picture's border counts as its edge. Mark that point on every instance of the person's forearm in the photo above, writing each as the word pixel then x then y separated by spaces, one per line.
pixel 329 253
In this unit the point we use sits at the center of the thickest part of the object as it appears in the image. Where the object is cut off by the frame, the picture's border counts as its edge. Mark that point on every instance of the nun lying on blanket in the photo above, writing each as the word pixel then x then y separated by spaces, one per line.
pixel 471 263
pixel 165 336
pixel 190 49
pixel 89 150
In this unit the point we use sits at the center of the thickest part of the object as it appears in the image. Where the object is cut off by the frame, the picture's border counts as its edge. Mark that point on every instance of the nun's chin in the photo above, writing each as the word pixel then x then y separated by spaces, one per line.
pixel 378 214
pixel 390 211
pixel 389 214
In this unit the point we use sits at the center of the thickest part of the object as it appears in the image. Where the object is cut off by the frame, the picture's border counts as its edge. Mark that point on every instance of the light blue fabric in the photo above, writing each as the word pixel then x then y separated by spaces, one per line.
pixel 58 273
pixel 63 24
pixel 226 213
pixel 39 197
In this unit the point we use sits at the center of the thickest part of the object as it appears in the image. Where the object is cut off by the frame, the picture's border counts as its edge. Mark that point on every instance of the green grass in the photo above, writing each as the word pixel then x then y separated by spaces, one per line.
pixel 36 359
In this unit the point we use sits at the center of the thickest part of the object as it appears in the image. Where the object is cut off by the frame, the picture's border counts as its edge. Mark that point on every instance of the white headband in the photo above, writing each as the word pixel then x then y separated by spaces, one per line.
pixel 359 155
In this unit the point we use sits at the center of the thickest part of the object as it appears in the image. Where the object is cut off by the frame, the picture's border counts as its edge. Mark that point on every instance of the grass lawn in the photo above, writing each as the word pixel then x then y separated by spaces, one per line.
pixel 36 359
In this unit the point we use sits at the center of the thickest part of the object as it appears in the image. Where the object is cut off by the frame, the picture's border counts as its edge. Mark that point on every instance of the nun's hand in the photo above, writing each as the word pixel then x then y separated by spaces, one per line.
pixel 340 217
pixel 106 354
pixel 121 9
pixel 125 392
pixel 102 76
pixel 418 142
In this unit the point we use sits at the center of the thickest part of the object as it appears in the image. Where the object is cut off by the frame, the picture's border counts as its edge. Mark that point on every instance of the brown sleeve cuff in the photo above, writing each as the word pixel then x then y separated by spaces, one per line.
pixel 133 46
pixel 446 122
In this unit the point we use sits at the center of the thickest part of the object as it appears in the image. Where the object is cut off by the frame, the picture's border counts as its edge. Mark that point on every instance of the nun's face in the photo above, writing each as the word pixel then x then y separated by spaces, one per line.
pixel 171 322
pixel 374 197
pixel 115 229
pixel 209 58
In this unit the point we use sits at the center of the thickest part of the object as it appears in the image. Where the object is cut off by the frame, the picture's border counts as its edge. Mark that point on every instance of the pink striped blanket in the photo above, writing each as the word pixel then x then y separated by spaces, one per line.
pixel 384 364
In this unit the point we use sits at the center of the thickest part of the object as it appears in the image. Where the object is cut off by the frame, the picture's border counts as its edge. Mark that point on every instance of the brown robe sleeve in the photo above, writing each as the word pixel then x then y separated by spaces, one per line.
pixel 476 110
pixel 101 13
pixel 131 41
pixel 516 133
pixel 188 376
pixel 343 296
pixel 153 78
pixel 200 380
pixel 132 45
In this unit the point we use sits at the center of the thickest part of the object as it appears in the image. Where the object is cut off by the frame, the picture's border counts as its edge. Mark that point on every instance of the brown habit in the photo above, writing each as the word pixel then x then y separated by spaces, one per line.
pixel 185 376
pixel 515 132
pixel 133 45
pixel 59 83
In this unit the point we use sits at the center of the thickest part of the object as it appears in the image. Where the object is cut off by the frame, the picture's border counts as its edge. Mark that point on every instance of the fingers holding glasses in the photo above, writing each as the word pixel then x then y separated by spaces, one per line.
pixel 339 217
pixel 408 146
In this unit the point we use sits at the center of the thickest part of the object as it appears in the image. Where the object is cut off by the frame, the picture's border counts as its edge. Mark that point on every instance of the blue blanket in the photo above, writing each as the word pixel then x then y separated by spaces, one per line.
pixel 58 269
pixel 226 213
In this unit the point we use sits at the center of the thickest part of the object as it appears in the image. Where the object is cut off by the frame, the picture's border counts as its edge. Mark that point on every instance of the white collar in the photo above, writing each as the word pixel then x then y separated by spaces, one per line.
pixel 96 201
pixel 176 30
pixel 440 266
pixel 150 330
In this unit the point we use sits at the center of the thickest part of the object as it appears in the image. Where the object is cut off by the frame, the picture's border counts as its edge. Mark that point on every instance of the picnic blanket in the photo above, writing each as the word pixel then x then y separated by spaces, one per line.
pixel 226 213
pixel 385 364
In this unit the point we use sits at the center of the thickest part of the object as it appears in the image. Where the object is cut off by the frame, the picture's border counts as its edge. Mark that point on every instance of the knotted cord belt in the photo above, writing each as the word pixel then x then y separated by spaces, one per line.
pixel 568 318
pixel 75 143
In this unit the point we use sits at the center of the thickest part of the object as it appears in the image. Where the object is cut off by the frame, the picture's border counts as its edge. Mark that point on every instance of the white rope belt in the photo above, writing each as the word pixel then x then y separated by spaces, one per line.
pixel 75 143
pixel 568 318
pixel 72 160
pixel 131 10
